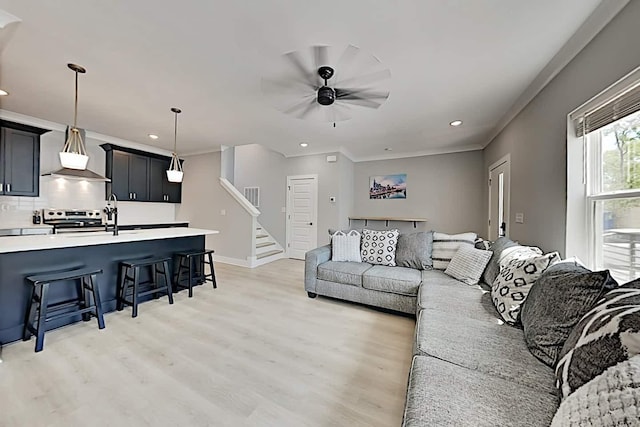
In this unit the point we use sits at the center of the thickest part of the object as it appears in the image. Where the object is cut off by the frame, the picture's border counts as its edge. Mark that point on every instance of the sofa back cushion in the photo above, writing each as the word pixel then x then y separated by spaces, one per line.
pixel 345 246
pixel 379 247
pixel 414 250
pixel 563 294
pixel 446 245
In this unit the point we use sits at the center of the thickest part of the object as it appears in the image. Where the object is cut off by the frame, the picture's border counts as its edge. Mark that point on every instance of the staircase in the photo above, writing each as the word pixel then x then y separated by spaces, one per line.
pixel 267 249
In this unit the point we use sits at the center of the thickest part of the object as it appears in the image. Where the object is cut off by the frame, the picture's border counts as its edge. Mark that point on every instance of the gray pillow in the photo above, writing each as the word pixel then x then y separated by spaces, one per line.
pixel 414 250
pixel 557 301
pixel 493 268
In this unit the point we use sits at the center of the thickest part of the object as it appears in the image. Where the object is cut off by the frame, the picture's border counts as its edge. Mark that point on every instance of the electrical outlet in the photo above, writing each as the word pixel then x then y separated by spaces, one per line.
pixel 519 218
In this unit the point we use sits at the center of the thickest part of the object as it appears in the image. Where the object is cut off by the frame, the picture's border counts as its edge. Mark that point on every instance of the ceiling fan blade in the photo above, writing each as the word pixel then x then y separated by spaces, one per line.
pixel 347 57
pixel 337 113
pixel 345 94
pixel 367 78
pixel 288 86
pixel 320 55
pixel 312 105
pixel 300 106
pixel 362 102
pixel 307 75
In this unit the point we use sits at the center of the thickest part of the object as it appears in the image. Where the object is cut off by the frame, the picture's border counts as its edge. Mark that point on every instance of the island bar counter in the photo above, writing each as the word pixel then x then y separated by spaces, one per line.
pixel 21 256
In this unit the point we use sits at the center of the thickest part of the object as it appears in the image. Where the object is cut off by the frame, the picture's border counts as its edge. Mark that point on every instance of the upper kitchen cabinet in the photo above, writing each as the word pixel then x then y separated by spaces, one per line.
pixel 19 159
pixel 139 176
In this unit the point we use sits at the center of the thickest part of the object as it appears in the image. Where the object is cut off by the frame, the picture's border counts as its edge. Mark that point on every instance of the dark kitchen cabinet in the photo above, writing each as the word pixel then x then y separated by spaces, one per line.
pixel 19 159
pixel 139 176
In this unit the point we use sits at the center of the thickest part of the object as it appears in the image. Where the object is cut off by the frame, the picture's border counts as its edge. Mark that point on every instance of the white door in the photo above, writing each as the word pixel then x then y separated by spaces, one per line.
pixel 499 183
pixel 302 215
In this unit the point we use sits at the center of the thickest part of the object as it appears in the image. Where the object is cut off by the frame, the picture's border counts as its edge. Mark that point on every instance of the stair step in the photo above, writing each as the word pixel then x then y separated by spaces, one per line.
pixel 261 236
pixel 265 244
pixel 266 254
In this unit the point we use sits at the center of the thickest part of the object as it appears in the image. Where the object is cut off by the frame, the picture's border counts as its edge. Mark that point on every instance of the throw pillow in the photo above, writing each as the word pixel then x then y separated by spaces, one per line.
pixel 608 334
pixel 345 246
pixel 468 264
pixel 414 250
pixel 446 245
pixel 480 243
pixel 610 399
pixel 493 268
pixel 517 275
pixel 379 247
pixel 561 296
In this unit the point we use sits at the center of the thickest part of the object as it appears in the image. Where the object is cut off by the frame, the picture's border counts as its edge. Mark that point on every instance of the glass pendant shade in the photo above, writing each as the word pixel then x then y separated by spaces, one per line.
pixel 74 153
pixel 174 173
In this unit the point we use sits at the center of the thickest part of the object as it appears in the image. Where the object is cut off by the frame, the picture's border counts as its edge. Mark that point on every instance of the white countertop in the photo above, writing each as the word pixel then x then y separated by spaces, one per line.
pixel 70 240
pixel 14 225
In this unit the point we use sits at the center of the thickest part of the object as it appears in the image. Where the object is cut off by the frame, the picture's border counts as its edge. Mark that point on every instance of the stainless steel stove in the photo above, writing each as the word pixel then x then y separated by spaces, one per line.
pixel 73 220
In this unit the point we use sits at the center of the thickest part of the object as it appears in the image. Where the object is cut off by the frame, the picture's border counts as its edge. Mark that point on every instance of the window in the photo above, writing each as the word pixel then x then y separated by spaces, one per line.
pixel 613 196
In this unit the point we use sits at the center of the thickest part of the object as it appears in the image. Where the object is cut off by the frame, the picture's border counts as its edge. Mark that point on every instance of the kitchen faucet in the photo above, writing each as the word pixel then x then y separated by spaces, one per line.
pixel 112 212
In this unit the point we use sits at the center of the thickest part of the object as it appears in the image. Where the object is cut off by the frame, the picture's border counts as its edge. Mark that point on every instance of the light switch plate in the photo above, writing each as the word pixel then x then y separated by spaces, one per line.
pixel 223 212
pixel 520 218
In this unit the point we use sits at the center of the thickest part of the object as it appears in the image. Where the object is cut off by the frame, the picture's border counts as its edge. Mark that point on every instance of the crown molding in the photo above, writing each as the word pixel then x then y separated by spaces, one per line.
pixel 601 16
pixel 432 152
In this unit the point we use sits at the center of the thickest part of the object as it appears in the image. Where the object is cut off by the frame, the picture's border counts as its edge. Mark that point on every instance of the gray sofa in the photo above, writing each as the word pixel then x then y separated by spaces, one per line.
pixel 468 369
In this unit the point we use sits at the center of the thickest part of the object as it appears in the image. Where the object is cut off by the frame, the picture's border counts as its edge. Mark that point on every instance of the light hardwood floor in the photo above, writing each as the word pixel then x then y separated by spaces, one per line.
pixel 254 352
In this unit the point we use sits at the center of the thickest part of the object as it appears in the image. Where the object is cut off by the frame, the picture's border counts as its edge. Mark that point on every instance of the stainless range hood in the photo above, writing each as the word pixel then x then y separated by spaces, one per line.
pixel 85 175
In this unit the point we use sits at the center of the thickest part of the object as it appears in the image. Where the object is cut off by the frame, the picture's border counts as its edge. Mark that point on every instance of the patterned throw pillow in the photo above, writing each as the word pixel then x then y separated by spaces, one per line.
pixel 605 336
pixel 345 246
pixel 518 273
pixel 445 247
pixel 468 264
pixel 379 247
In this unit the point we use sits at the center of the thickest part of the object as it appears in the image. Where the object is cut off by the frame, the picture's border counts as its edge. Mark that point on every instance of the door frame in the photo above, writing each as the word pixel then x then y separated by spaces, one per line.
pixel 288 209
pixel 507 206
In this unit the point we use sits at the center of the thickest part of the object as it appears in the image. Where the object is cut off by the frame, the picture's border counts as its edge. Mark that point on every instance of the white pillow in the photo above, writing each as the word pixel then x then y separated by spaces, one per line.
pixel 379 247
pixel 446 245
pixel 518 273
pixel 345 246
pixel 468 264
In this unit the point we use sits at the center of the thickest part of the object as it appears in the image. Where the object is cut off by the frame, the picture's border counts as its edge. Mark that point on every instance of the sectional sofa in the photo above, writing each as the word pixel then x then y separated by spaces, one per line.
pixel 468 368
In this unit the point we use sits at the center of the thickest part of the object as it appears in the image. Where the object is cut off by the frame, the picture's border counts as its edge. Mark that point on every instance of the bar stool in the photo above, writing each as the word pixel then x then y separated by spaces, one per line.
pixel 129 284
pixel 187 262
pixel 47 312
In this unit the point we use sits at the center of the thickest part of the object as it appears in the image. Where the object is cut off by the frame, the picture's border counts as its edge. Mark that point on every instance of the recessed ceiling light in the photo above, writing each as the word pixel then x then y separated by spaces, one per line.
pixel 304 144
pixel 456 123
pixel 388 149
pixel 3 92
pixel 152 136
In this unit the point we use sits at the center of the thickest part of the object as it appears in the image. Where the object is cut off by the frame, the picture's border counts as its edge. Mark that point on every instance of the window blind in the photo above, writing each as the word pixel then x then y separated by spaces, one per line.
pixel 621 106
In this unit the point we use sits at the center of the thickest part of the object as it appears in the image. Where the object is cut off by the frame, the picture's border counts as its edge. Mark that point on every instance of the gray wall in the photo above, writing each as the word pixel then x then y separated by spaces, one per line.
pixel 203 199
pixel 257 166
pixel 536 138
pixel 445 189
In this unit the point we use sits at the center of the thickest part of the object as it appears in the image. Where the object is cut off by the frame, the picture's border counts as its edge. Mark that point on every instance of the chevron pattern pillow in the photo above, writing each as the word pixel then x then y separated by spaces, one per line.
pixel 345 246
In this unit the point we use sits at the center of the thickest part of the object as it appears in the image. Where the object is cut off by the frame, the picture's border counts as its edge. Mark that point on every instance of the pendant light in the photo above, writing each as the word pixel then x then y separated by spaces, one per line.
pixel 174 173
pixel 74 154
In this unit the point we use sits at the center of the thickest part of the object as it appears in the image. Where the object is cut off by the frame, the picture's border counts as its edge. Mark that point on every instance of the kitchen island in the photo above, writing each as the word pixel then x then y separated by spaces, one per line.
pixel 21 256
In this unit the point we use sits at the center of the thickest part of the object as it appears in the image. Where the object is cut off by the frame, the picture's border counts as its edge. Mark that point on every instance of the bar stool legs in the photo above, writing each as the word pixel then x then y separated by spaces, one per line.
pixel 129 284
pixel 188 262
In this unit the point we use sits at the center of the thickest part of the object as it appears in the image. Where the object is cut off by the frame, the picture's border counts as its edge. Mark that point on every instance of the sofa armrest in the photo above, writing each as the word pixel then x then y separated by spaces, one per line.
pixel 312 260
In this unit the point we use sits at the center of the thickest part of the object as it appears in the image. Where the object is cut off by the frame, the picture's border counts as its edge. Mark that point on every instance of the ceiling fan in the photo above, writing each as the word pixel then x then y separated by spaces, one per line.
pixel 314 87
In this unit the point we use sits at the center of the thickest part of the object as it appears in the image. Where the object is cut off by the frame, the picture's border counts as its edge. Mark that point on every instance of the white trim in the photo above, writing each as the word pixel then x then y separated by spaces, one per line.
pixel 266 260
pixel 233 191
pixel 507 206
pixel 598 19
pixel 232 261
pixel 432 152
pixel 288 211
pixel 615 195
pixel 31 121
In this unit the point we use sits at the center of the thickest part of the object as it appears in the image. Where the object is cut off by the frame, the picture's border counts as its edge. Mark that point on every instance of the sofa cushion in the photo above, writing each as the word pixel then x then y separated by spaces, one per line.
pixel 379 247
pixel 446 245
pixel 493 268
pixel 345 246
pixel 396 280
pixel 517 275
pixel 444 394
pixel 347 273
pixel 414 250
pixel 607 335
pixel 561 296
pixel 485 345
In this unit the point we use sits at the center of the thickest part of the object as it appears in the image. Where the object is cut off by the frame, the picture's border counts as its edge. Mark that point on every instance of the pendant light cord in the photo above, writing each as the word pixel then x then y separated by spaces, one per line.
pixel 175 135
pixel 75 105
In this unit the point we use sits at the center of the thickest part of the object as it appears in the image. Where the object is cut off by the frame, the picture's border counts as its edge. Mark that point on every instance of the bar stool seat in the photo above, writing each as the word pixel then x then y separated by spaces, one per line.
pixel 193 263
pixel 44 311
pixel 129 284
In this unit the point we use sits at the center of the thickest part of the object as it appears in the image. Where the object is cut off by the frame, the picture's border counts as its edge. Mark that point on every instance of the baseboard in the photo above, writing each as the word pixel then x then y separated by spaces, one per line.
pixel 267 260
pixel 233 261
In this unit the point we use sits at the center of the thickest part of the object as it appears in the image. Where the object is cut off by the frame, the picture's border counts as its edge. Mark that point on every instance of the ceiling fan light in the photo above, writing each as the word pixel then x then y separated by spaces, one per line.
pixel 73 160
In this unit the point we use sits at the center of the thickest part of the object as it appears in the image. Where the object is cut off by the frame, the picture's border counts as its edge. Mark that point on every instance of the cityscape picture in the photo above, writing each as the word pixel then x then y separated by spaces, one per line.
pixel 388 186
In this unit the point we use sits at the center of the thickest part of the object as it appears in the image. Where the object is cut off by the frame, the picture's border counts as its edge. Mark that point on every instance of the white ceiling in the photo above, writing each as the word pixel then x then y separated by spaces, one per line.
pixel 454 59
